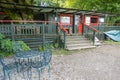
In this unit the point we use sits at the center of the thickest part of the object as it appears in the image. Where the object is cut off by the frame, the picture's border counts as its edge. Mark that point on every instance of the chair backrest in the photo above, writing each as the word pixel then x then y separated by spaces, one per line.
pixel 2 60
pixel 17 47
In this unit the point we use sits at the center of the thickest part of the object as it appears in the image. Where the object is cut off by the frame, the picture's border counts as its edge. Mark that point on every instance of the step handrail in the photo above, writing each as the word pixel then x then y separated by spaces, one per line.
pixel 94 30
pixel 62 28
pixel 91 28
pixel 64 32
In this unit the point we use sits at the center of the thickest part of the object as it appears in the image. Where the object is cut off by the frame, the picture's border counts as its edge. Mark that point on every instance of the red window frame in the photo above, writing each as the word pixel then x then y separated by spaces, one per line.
pixel 94 24
pixel 2 12
pixel 66 15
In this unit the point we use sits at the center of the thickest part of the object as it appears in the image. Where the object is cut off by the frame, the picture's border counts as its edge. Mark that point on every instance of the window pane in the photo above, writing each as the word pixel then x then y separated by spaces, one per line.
pixel 94 20
pixel 65 19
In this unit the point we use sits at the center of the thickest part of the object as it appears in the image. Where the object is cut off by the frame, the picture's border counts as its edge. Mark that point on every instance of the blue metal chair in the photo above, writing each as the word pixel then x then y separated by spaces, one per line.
pixel 21 66
pixel 7 68
pixel 40 65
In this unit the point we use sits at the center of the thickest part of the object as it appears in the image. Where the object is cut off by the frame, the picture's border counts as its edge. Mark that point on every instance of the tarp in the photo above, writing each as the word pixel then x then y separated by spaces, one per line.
pixel 113 34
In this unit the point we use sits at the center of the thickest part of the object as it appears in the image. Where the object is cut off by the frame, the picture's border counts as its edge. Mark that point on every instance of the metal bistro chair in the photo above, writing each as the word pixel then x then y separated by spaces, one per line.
pixel 44 62
pixel 7 68
pixel 22 66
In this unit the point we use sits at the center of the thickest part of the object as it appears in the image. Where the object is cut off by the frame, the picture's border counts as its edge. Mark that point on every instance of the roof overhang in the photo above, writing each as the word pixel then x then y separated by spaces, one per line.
pixel 44 9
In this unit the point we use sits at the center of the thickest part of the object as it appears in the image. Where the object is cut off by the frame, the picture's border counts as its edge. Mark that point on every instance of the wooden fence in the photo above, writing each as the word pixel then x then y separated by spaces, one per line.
pixel 31 32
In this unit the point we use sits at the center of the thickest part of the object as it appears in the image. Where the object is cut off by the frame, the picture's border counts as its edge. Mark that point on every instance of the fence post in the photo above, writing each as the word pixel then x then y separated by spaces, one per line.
pixel 12 31
pixel 43 33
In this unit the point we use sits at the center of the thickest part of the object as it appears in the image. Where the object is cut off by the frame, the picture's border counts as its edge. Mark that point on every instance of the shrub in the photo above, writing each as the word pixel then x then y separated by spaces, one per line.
pixel 6 45
pixel 1 36
pixel 24 46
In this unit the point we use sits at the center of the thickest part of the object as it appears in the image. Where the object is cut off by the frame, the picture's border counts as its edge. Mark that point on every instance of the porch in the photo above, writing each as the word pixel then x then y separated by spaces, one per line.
pixel 36 33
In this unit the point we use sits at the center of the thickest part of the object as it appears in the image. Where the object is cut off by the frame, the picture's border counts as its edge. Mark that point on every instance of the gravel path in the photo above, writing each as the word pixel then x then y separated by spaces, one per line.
pixel 101 63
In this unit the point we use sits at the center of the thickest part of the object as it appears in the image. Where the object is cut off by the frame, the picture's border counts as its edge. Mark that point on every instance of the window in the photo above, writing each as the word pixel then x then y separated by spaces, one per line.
pixel 66 19
pixel 94 20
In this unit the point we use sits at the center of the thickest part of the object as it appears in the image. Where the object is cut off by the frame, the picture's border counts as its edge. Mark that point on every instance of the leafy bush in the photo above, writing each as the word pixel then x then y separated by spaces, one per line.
pixel 24 46
pixel 6 45
pixel 1 36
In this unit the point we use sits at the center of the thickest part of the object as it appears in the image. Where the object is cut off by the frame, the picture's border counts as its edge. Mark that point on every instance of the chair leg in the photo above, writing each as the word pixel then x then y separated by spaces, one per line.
pixel 39 71
pixel 4 75
pixel 48 70
pixel 9 76
pixel 29 74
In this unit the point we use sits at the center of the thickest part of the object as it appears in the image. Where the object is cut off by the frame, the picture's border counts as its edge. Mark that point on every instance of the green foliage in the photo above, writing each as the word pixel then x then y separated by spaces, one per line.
pixel 111 42
pixel 110 6
pixel 45 46
pixel 6 45
pixel 42 48
pixel 24 46
pixel 1 36
pixel 19 13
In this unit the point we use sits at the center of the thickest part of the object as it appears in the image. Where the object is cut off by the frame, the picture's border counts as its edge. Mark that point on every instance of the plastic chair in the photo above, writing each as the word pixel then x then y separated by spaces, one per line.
pixel 7 68
pixel 40 65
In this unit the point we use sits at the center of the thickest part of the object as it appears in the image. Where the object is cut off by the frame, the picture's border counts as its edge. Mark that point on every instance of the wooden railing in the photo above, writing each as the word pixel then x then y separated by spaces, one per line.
pixel 62 34
pixel 29 30
pixel 90 33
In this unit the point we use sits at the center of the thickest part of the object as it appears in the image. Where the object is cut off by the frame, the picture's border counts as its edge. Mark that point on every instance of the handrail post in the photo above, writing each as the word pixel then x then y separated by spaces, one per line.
pixel 93 37
pixel 64 40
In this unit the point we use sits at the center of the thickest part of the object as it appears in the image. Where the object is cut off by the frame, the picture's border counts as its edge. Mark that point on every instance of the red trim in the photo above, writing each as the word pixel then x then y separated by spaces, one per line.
pixel 94 24
pixel 2 12
pixel 26 21
pixel 66 15
pixel 62 28
pixel 92 28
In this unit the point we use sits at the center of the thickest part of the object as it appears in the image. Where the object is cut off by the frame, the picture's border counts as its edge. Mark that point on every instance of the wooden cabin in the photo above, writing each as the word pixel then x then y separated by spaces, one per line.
pixel 51 23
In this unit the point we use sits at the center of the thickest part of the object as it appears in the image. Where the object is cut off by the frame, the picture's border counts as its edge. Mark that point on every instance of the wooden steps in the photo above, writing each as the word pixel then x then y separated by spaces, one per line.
pixel 77 42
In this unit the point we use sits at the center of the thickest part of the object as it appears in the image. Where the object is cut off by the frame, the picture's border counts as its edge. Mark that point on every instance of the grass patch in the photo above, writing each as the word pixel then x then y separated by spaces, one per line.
pixel 111 42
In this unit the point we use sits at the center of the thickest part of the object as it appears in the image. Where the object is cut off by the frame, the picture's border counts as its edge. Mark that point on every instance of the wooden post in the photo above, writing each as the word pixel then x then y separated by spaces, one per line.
pixel 43 34
pixel 82 23
pixel 12 31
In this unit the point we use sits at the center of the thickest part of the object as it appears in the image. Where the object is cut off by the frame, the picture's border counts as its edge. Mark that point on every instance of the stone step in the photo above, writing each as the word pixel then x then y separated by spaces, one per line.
pixel 77 42
pixel 80 47
pixel 76 45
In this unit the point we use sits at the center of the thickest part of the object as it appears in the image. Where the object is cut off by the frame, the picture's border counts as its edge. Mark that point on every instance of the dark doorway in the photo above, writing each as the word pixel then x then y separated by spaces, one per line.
pixel 39 16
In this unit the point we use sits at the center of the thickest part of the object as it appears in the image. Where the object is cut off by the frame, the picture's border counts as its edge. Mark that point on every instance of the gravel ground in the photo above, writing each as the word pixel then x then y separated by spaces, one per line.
pixel 100 63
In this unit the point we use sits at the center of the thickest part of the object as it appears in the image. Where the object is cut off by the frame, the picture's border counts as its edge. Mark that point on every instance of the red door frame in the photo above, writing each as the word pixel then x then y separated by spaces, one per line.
pixel 80 27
